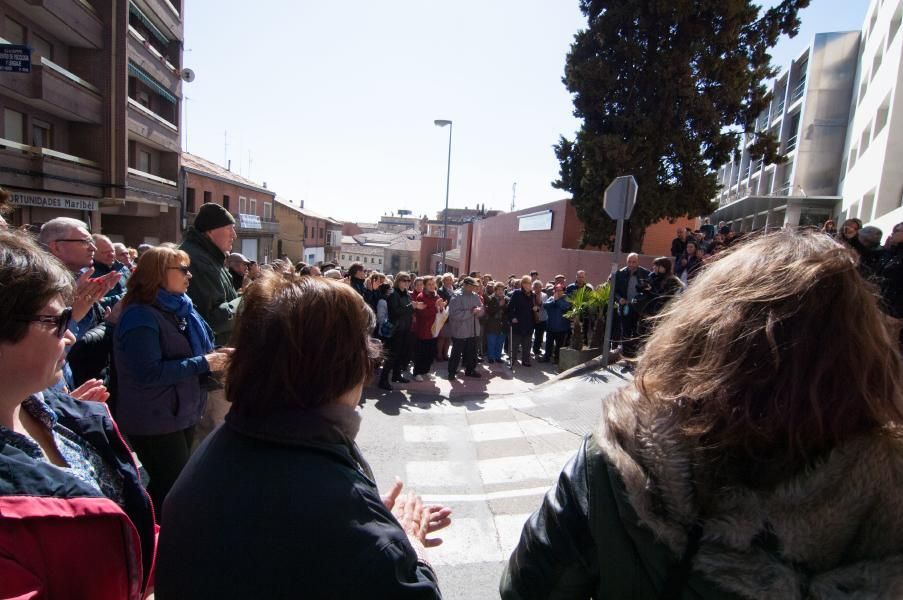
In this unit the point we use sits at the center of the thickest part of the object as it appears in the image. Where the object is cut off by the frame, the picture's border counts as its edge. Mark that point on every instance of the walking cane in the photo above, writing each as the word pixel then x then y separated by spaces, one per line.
pixel 511 347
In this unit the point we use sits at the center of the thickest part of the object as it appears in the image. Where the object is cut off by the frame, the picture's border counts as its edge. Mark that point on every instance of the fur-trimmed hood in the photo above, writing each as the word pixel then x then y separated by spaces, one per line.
pixel 834 531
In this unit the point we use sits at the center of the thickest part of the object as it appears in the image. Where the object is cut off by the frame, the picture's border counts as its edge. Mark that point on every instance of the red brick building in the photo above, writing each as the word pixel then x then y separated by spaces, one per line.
pixel 251 204
pixel 93 131
pixel 546 238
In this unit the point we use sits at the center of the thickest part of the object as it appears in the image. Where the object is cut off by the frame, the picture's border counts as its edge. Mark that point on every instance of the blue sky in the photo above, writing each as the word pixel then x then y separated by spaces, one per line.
pixel 334 102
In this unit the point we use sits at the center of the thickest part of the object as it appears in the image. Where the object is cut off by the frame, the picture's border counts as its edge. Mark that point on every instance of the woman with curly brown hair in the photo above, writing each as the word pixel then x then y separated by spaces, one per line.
pixel 753 456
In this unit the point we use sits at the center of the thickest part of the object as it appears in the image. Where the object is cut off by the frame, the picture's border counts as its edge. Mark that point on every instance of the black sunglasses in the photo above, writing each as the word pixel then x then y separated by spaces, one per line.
pixel 185 270
pixel 61 321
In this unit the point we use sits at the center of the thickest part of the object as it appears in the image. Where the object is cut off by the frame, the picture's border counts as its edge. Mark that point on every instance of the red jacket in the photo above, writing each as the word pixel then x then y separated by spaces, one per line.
pixel 423 324
pixel 58 539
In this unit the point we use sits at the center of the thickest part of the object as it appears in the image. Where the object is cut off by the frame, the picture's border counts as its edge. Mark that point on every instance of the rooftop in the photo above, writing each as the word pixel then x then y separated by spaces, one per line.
pixel 203 166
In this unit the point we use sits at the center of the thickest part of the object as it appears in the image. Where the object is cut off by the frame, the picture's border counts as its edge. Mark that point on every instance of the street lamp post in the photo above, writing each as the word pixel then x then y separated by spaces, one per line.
pixel 443 123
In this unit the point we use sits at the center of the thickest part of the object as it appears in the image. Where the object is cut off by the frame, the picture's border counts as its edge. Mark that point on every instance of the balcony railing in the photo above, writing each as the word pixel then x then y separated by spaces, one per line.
pixel 798 91
pixel 152 177
pixel 791 144
pixel 48 153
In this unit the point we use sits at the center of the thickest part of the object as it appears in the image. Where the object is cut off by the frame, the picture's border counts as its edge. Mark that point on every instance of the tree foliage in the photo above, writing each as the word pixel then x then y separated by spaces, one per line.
pixel 665 89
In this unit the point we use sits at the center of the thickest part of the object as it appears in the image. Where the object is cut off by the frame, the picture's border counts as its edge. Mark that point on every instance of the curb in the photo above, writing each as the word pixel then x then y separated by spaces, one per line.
pixel 593 364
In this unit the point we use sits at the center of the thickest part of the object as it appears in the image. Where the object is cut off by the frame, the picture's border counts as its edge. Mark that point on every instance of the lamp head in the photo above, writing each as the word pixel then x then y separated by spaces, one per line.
pixel 442 122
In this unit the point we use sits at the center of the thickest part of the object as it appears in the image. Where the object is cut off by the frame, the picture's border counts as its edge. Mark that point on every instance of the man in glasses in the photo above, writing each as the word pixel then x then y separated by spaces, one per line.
pixel 70 241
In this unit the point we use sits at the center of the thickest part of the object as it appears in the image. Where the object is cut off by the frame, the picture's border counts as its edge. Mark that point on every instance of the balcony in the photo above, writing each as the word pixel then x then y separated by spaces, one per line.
pixel 151 128
pixel 798 91
pixel 162 190
pixel 74 22
pixel 53 89
pixel 790 146
pixel 163 13
pixel 250 224
pixel 144 55
pixel 42 168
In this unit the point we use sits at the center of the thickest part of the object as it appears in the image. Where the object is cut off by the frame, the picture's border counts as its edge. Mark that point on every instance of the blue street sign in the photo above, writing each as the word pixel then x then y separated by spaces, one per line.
pixel 15 58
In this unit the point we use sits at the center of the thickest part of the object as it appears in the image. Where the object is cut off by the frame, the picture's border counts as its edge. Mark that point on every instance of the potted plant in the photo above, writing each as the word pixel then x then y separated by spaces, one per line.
pixel 585 303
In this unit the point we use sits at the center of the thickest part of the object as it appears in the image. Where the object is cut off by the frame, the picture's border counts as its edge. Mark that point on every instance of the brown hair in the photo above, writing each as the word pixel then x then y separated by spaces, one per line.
pixel 150 274
pixel 299 342
pixel 747 365
pixel 30 277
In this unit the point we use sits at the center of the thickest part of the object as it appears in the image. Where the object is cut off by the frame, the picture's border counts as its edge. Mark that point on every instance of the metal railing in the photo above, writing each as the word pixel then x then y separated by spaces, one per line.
pixel 798 91
pixel 791 144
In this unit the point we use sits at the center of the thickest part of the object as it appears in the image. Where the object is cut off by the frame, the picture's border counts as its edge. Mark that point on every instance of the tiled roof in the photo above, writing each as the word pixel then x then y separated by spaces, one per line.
pixel 204 166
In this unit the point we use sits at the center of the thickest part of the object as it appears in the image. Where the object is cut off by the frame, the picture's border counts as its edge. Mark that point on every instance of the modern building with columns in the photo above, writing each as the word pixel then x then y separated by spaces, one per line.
pixel 809 115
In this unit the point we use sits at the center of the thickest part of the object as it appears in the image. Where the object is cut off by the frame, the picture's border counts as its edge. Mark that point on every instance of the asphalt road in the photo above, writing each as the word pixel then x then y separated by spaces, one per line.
pixel 489 449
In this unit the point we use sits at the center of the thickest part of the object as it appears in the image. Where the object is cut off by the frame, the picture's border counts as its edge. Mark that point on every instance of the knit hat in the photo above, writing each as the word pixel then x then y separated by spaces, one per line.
pixel 212 216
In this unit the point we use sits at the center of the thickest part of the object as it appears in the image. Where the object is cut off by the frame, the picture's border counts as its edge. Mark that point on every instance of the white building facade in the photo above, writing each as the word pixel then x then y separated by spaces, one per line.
pixel 872 171
pixel 809 115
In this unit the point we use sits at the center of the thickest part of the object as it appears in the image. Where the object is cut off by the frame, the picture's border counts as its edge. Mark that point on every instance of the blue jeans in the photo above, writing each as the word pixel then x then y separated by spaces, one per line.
pixel 494 344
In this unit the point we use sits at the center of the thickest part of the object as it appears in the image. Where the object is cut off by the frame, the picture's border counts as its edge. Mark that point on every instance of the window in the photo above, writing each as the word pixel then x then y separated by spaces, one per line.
pixel 854 155
pixel 208 197
pixel 189 200
pixel 895 24
pixel 41 46
pixel 876 62
pixel 863 87
pixel 267 211
pixel 321 233
pixel 226 202
pixel 343 257
pixel 242 205
pixel 143 98
pixel 13 31
pixel 253 206
pixel 144 163
pixel 883 113
pixel 357 259
pixel 41 134
pixel 794 131
pixel 865 139
pixel 868 202
pixel 14 126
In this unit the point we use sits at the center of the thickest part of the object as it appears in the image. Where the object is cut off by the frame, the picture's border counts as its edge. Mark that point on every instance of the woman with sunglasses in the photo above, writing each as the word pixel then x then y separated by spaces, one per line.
pixel 75 521
pixel 163 351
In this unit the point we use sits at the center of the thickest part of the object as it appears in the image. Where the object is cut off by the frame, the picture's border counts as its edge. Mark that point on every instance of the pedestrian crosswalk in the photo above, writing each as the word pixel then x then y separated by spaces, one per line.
pixel 491 463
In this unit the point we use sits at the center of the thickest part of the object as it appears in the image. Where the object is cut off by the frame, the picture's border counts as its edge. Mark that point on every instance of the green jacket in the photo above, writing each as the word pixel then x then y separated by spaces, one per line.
pixel 211 288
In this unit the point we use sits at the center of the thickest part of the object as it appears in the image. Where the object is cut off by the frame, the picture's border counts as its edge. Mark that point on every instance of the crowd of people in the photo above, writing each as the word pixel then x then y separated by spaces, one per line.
pixel 708 470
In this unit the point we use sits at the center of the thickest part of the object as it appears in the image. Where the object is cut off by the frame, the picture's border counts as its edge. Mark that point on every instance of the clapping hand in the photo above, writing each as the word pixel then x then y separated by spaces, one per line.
pixel 92 390
pixel 417 520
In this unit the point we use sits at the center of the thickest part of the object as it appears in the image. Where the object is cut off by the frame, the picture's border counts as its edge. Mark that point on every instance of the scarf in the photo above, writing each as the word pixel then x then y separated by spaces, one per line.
pixel 200 336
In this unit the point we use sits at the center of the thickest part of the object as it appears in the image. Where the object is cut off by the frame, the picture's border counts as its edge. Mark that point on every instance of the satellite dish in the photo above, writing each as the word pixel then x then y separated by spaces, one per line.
pixel 187 75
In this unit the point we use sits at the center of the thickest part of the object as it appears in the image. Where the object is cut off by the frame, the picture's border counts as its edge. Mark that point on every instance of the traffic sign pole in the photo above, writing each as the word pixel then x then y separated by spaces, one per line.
pixel 620 197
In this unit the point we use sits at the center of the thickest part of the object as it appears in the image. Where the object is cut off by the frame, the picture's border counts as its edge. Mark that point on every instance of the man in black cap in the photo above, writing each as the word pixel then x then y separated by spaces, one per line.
pixel 207 243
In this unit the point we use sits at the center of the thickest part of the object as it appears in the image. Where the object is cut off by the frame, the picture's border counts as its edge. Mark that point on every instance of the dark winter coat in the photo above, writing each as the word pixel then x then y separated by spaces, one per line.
pixel 624 507
pixel 521 308
pixel 401 311
pixel 891 281
pixel 283 506
pixel 622 280
pixel 556 310
pixel 211 289
pixel 496 320
pixel 158 376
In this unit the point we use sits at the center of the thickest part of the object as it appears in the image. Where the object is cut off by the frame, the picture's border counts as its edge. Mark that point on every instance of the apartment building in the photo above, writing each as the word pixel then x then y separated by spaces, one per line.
pixel 872 173
pixel 251 203
pixel 93 132
pixel 809 116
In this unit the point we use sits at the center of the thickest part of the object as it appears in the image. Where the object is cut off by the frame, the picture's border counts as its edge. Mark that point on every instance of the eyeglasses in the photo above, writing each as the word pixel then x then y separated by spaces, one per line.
pixel 61 321
pixel 185 270
pixel 85 241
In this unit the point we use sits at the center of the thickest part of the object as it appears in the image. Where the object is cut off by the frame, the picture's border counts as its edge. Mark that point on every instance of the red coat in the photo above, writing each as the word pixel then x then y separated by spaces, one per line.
pixel 423 324
pixel 60 541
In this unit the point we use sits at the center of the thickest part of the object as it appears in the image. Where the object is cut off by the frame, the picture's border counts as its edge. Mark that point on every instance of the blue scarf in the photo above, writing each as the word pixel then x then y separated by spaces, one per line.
pixel 200 336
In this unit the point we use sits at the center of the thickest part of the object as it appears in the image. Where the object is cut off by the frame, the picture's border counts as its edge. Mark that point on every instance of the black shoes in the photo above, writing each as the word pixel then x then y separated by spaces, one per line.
pixel 384 385
pixel 472 374
pixel 401 379
pixel 451 377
